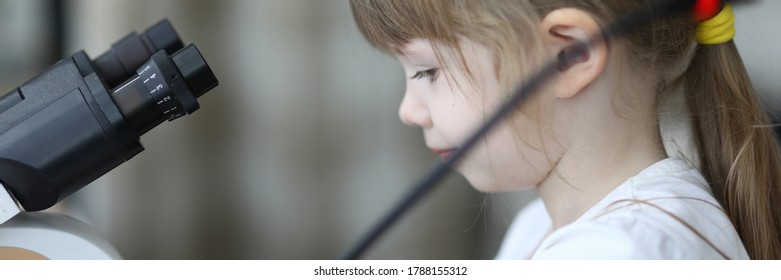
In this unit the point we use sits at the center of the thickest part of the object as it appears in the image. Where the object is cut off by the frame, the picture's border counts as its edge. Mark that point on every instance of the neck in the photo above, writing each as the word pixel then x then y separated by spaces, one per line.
pixel 602 158
pixel 575 186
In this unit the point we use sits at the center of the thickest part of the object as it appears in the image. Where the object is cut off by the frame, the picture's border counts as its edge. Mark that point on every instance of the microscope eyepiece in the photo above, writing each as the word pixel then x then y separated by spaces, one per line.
pixel 164 88
pixel 162 36
pixel 127 54
pixel 196 71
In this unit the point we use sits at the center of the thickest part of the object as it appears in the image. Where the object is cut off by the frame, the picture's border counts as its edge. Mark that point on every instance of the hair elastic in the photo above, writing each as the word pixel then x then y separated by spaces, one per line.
pixel 717 30
pixel 706 9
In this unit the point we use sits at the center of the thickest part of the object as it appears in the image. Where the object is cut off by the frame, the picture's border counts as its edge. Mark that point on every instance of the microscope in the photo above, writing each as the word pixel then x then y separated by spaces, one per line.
pixel 81 118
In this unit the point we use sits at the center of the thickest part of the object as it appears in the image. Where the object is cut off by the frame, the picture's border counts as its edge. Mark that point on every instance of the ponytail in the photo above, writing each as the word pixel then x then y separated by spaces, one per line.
pixel 739 154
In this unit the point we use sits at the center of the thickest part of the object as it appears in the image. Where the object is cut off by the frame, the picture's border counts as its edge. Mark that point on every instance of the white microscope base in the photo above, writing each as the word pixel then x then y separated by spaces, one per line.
pixel 52 236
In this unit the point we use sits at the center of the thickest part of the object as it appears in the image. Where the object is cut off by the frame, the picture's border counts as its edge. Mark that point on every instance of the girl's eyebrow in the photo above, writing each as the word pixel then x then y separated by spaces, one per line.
pixel 411 53
pixel 418 55
pixel 414 49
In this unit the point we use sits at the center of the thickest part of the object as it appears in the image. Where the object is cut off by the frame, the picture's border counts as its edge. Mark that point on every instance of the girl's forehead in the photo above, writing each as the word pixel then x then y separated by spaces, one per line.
pixel 417 48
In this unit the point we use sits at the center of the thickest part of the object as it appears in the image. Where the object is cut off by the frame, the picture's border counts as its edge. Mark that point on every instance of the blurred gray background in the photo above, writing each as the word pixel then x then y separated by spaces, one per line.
pixel 299 150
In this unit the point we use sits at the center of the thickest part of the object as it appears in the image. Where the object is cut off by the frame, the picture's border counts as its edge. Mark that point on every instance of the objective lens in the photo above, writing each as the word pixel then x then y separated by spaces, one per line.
pixel 164 88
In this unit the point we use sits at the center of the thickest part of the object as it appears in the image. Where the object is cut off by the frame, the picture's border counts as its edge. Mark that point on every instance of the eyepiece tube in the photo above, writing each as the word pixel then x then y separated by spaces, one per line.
pixel 130 52
pixel 164 88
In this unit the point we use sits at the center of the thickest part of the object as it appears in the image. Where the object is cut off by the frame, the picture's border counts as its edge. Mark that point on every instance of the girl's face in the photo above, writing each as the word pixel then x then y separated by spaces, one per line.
pixel 449 108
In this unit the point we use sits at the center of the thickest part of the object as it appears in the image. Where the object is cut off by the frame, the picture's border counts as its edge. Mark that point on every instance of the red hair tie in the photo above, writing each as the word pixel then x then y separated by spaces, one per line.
pixel 706 9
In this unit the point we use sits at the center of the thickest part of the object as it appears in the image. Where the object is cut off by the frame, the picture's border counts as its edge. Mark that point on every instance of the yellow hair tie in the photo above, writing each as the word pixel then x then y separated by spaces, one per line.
pixel 717 30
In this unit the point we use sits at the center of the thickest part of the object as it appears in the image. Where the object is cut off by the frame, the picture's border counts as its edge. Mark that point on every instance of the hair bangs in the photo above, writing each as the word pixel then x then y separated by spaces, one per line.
pixel 390 24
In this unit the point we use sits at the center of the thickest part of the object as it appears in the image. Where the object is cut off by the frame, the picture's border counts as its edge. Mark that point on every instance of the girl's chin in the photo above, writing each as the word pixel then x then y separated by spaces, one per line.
pixel 491 184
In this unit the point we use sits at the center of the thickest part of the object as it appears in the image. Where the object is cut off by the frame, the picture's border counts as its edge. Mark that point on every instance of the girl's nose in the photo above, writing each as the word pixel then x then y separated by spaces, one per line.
pixel 413 111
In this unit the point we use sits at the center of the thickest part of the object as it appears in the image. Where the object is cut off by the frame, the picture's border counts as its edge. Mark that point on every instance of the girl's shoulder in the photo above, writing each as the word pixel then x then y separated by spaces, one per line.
pixel 528 229
pixel 665 212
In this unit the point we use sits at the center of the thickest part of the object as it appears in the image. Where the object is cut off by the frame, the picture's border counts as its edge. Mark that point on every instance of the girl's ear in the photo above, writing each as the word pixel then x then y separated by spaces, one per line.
pixel 560 29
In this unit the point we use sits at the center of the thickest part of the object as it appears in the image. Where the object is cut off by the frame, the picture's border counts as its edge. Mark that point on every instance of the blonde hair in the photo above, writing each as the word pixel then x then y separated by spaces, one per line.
pixel 738 152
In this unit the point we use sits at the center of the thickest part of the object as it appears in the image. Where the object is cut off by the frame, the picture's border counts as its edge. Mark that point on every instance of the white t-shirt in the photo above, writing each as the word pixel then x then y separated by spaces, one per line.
pixel 637 220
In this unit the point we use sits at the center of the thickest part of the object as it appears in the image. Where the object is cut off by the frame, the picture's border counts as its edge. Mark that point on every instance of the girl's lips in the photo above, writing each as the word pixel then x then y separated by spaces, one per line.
pixel 443 153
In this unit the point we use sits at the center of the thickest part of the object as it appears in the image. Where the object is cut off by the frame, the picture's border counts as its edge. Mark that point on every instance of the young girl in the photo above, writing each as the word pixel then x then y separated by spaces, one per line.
pixel 652 146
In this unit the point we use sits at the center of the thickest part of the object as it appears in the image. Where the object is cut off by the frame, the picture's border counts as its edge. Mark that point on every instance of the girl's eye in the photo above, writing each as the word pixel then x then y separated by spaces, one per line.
pixel 431 74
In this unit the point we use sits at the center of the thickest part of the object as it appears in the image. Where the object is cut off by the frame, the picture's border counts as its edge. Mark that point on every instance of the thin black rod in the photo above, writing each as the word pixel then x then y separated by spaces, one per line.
pixel 56 24
pixel 520 95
